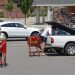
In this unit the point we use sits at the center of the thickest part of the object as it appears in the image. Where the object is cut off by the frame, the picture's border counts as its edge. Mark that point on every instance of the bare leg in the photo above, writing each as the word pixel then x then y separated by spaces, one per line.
pixel 4 55
pixel 43 46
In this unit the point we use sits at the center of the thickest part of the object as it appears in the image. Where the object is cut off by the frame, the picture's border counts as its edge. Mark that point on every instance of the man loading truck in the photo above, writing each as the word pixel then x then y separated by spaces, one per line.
pixel 46 32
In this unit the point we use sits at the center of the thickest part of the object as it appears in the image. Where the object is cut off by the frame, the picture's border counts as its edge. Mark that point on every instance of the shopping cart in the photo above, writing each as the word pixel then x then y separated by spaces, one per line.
pixel 2 52
pixel 34 41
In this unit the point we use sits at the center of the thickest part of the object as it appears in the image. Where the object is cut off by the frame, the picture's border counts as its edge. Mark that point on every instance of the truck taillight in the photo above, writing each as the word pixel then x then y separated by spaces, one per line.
pixel 52 40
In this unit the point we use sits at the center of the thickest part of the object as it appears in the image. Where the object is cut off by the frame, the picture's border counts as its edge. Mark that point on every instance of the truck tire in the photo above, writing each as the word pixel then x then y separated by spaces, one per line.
pixel 59 51
pixel 70 49
pixel 47 50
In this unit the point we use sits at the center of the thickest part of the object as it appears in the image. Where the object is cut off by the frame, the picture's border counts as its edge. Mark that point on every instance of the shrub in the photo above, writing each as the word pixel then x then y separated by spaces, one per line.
pixel 1 14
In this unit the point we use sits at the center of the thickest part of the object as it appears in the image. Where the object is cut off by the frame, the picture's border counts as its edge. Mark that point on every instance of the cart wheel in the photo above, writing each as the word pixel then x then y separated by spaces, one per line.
pixel 5 64
pixel 33 53
pixel 1 65
pixel 30 54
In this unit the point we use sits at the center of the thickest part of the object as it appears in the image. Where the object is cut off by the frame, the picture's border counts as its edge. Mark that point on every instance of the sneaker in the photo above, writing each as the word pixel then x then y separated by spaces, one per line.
pixel 43 54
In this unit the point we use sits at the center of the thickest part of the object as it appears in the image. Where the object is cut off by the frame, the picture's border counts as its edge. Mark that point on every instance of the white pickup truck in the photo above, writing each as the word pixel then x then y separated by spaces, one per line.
pixel 62 43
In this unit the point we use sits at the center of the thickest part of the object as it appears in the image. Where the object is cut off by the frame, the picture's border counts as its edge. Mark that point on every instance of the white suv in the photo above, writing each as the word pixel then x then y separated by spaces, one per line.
pixel 16 29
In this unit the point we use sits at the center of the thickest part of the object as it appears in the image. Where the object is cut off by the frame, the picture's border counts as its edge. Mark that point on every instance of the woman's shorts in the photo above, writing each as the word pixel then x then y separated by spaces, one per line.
pixel 43 39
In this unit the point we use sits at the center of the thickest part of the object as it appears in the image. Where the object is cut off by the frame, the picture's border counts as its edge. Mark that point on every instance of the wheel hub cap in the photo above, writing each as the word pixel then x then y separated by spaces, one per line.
pixel 71 50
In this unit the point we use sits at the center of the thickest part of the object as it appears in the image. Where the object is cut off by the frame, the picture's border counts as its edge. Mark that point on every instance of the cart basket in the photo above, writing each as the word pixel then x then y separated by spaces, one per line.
pixel 34 41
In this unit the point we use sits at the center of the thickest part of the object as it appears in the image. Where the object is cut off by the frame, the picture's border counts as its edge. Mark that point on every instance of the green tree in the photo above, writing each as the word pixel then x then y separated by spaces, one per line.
pixel 25 6
pixel 9 6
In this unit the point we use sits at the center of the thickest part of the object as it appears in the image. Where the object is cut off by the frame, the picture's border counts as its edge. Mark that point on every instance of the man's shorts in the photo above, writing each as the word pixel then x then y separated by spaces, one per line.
pixel 43 39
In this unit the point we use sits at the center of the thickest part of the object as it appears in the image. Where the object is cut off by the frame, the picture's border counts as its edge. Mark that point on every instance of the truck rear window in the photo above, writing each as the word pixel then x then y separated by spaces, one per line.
pixel 59 32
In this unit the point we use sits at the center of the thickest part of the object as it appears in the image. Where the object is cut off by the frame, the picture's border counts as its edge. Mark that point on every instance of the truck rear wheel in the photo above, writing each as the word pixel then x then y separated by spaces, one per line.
pixel 59 51
pixel 70 49
pixel 47 50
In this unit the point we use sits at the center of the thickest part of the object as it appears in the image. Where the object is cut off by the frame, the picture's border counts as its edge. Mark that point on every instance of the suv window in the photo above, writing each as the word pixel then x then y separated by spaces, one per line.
pixel 19 25
pixel 9 25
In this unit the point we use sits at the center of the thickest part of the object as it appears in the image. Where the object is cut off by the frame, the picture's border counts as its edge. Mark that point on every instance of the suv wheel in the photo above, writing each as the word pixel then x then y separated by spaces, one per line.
pixel 35 33
pixel 5 35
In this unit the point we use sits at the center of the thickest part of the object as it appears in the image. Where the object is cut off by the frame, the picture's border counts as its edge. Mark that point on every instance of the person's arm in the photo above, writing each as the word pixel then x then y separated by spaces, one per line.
pixel 50 30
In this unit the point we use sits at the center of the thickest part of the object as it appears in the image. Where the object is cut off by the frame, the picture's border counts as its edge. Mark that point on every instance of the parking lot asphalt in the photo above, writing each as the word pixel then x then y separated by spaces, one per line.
pixel 19 63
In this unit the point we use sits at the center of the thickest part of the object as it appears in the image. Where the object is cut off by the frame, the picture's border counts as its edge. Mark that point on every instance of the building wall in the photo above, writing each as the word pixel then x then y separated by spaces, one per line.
pixel 70 9
pixel 16 13
pixel 2 4
pixel 13 14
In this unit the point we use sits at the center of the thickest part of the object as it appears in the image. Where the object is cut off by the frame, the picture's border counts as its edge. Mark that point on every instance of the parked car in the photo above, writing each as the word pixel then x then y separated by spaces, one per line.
pixel 16 29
